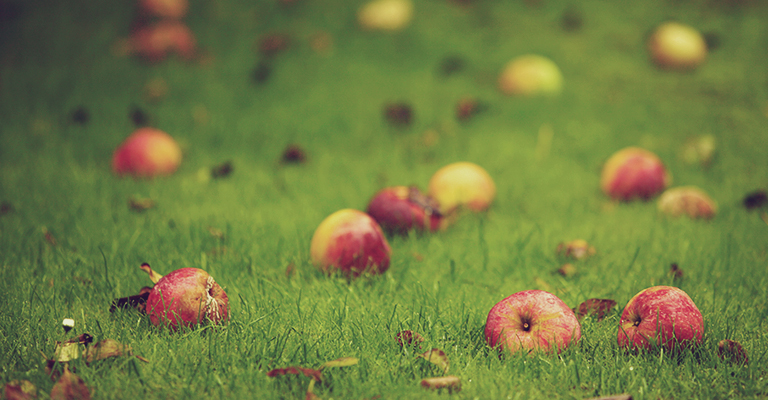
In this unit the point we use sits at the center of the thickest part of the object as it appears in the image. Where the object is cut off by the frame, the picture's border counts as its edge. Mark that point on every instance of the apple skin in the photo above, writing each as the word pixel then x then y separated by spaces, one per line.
pixel 530 75
pixel 173 9
pixel 146 153
pixel 155 41
pixel 677 46
pixel 687 200
pixel 352 242
pixel 462 184
pixel 187 297
pixel 385 15
pixel 400 209
pixel 532 320
pixel 660 316
pixel 634 173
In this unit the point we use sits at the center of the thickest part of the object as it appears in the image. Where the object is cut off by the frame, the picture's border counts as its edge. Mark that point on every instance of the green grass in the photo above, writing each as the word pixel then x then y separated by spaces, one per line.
pixel 56 174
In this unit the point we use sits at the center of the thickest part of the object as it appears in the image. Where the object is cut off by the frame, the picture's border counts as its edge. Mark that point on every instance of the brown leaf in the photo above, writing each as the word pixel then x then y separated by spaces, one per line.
pixel 731 350
pixel 675 271
pixel 273 44
pixel 340 362
pixel 755 200
pixel 595 307
pixel 69 349
pixel 290 270
pixel 154 276
pixel 20 390
pixel 216 233
pixel 140 205
pixel 312 373
pixel 108 348
pixel 137 302
pixel 409 338
pixel 70 387
pixel 49 237
pixel 294 154
pixel 437 357
pixel 5 208
pixel 614 397
pixel 222 170
pixel 450 382
pixel 577 249
pixel 567 270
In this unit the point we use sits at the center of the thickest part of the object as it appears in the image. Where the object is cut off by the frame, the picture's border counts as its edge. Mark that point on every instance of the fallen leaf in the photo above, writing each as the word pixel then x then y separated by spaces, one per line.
pixel 755 200
pixel 290 270
pixel 154 276
pixel 595 307
pixel 273 44
pixel 294 154
pixel 450 382
pixel 437 357
pixel 312 373
pixel 5 208
pixel 340 362
pixel 49 237
pixel 69 349
pixel 140 205
pixel 577 249
pixel 614 397
pixel 222 170
pixel 567 270
pixel 137 302
pixel 20 390
pixel 699 150
pixel 70 387
pixel 409 338
pixel 731 350
pixel 108 348
pixel 398 114
pixel 675 271
pixel 216 233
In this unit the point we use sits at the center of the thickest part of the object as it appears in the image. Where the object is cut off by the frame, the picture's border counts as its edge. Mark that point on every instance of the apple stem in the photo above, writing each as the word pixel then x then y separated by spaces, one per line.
pixel 154 276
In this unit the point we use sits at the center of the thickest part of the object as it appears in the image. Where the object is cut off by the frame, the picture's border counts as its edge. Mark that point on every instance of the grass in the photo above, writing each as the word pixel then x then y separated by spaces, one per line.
pixel 55 174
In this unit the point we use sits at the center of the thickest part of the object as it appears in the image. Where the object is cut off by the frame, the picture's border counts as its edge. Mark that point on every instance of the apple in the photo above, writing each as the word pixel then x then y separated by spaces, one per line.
pixel 185 297
pixel 660 316
pixel 352 242
pixel 462 184
pixel 634 173
pixel 385 15
pixel 688 200
pixel 146 153
pixel 530 75
pixel 673 45
pixel 399 209
pixel 173 9
pixel 532 320
pixel 153 42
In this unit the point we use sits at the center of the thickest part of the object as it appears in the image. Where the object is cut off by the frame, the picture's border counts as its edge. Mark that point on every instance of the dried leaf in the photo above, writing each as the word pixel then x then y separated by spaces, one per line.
pixel 755 200
pixel 340 362
pixel 137 302
pixel 312 373
pixel 437 357
pixel 70 387
pixel 731 350
pixel 216 233
pixel 675 271
pixel 5 208
pixel 222 170
pixel 154 276
pixel 69 349
pixel 409 338
pixel 294 154
pixel 614 397
pixel 567 270
pixel 450 382
pixel 595 307
pixel 49 237
pixel 310 391
pixel 108 348
pixel 20 390
pixel 577 249
pixel 290 270
pixel 140 205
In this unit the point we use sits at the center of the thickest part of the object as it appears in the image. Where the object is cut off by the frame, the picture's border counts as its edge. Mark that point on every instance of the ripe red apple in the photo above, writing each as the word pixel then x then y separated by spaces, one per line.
pixel 688 200
pixel 352 242
pixel 146 153
pixel 462 184
pixel 155 41
pixel 184 298
pixel 677 46
pixel 174 9
pixel 660 316
pixel 532 320
pixel 633 173
pixel 399 209
pixel 530 75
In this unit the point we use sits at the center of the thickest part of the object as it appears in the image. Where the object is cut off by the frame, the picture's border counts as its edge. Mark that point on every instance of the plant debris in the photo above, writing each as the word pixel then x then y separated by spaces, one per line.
pixel 567 270
pixel 108 348
pixel 398 114
pixel 80 116
pixel 731 351
pixel 261 73
pixel 273 44
pixel 70 387
pixel 755 200
pixel 597 308
pixel 294 154
pixel 140 205
pixel 437 357
pixel 20 390
pixel 577 249
pixel 468 107
pixel 222 170
pixel 675 271
pixel 450 382
pixel 6 208
pixel 409 338
pixel 137 302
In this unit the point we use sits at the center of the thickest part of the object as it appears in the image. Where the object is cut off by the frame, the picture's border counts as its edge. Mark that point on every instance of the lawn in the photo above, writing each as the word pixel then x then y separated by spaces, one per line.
pixel 70 243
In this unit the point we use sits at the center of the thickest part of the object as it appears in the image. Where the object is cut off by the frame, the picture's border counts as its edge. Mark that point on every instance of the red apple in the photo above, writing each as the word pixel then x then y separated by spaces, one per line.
pixel 530 75
pixel 634 173
pixel 462 184
pixel 352 242
pixel 399 209
pixel 155 41
pixel 146 153
pixel 532 320
pixel 184 298
pixel 173 9
pixel 660 316
pixel 677 46
pixel 688 200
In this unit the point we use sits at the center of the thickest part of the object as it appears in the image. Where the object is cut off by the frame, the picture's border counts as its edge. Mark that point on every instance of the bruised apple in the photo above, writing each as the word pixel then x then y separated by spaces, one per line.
pixel 186 297
pixel 146 153
pixel 400 209
pixel 532 320
pixel 660 316
pixel 634 173
pixel 352 242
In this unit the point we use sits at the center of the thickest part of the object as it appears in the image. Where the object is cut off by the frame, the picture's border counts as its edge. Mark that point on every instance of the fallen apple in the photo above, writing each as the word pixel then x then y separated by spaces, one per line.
pixel 385 15
pixel 155 41
pixel 687 200
pixel 532 320
pixel 634 173
pixel 352 242
pixel 530 75
pixel 660 316
pixel 462 184
pixel 677 46
pixel 174 9
pixel 185 297
pixel 400 209
pixel 146 153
